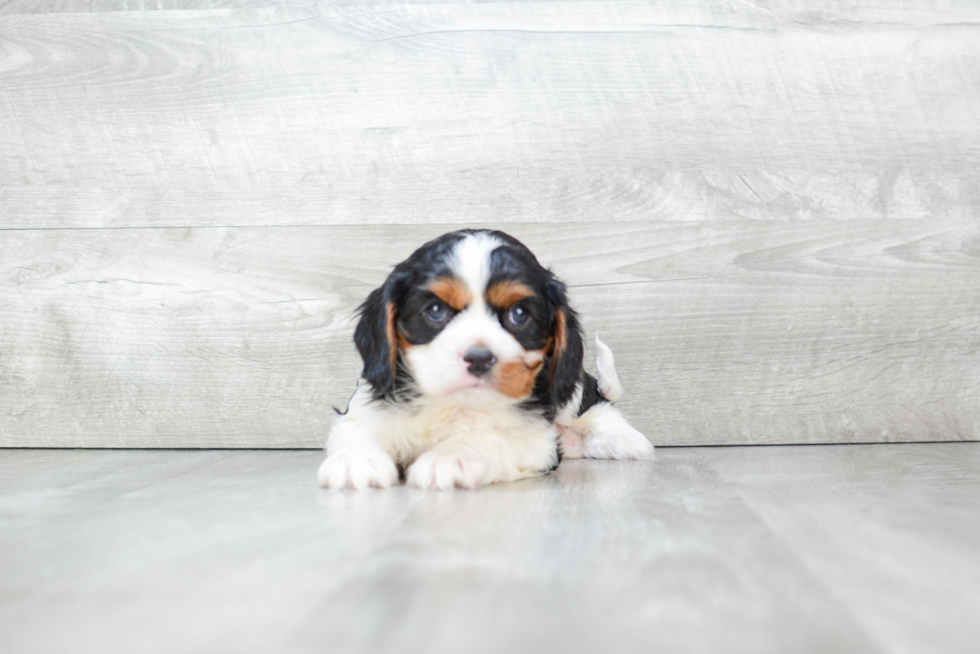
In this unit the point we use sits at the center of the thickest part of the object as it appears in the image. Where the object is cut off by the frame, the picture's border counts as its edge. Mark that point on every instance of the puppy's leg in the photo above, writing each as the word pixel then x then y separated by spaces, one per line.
pixel 571 442
pixel 607 435
pixel 355 458
pixel 473 460
pixel 451 464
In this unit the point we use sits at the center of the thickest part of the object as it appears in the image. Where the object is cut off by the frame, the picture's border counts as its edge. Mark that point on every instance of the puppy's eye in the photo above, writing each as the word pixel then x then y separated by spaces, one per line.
pixel 436 312
pixel 517 316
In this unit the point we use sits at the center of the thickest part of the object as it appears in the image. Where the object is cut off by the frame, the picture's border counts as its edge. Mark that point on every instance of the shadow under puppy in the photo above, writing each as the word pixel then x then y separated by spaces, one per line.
pixel 473 375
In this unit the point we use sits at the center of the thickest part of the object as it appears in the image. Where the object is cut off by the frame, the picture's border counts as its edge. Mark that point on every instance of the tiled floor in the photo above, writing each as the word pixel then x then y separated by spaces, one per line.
pixel 754 549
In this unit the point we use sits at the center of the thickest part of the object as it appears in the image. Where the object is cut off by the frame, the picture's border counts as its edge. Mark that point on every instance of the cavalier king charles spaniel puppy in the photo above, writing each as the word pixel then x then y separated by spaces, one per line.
pixel 473 375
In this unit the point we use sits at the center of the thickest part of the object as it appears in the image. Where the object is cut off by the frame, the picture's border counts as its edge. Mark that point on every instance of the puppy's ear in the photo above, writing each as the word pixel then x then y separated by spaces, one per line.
pixel 568 350
pixel 374 337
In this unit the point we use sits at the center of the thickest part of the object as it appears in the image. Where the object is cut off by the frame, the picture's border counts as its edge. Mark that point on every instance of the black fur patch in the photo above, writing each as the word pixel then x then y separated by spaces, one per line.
pixel 370 336
pixel 590 394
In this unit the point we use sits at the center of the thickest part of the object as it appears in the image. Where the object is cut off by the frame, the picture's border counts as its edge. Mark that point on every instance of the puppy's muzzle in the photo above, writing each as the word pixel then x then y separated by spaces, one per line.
pixel 481 360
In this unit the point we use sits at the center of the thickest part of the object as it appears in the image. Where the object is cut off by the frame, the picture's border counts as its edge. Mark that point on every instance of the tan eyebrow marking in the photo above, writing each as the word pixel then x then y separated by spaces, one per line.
pixel 452 291
pixel 503 294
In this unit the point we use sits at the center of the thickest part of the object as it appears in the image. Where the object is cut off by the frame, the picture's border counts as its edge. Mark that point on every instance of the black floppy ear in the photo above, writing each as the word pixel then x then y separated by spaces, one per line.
pixel 567 349
pixel 374 337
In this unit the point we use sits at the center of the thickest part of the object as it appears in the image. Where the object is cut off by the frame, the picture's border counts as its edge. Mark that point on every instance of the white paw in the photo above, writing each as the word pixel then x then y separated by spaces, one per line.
pixel 358 468
pixel 611 437
pixel 445 470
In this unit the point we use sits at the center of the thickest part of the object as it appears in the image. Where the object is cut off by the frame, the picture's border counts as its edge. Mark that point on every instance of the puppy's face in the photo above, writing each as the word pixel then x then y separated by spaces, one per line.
pixel 478 323
pixel 471 312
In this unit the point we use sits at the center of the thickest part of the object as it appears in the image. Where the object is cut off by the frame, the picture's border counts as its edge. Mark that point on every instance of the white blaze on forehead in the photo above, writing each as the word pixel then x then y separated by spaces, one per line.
pixel 471 261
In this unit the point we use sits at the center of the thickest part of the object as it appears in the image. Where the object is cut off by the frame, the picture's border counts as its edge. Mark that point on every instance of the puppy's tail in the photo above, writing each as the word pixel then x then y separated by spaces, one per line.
pixel 609 385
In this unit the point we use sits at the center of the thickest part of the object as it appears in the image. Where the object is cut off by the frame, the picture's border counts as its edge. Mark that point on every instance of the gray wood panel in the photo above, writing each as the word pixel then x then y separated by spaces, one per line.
pixel 804 11
pixel 769 210
pixel 508 112
pixel 742 332
pixel 761 550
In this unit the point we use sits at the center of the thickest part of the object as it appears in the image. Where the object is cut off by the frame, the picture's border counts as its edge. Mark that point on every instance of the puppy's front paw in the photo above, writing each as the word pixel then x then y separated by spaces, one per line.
pixel 358 468
pixel 445 470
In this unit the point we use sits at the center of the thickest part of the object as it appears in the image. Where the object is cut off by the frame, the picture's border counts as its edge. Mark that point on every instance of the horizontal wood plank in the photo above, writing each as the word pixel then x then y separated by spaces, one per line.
pixel 500 112
pixel 803 11
pixel 768 211
pixel 749 332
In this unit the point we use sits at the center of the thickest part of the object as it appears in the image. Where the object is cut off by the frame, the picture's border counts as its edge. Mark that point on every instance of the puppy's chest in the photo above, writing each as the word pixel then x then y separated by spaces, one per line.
pixel 436 422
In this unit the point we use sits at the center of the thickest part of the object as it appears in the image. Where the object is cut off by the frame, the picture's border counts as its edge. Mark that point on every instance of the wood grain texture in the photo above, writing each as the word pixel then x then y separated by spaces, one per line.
pixel 768 209
pixel 752 549
pixel 844 510
pixel 803 11
pixel 741 332
pixel 502 112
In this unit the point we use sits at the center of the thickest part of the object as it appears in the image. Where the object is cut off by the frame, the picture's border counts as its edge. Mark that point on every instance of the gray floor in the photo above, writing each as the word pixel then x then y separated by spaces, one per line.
pixel 847 548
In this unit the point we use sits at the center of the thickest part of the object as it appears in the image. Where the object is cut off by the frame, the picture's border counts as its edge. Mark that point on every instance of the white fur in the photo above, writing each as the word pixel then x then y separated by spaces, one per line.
pixel 468 439
pixel 361 464
pixel 610 436
pixel 609 384
pixel 470 260
pixel 603 433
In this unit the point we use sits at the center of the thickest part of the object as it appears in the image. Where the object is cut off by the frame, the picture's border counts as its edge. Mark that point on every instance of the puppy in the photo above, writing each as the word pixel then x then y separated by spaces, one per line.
pixel 473 375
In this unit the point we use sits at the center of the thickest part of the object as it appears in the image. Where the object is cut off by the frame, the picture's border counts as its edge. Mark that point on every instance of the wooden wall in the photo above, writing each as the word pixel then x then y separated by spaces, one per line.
pixel 770 210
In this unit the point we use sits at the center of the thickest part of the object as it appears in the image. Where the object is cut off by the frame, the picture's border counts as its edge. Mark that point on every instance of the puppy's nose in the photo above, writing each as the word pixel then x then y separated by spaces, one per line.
pixel 480 359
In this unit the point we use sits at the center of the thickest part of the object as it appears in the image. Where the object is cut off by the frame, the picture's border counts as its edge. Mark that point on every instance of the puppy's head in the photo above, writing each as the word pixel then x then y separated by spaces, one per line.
pixel 471 312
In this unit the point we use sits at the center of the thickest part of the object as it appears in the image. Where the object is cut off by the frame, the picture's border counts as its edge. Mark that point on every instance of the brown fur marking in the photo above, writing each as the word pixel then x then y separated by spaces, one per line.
pixel 391 335
pixel 515 379
pixel 451 291
pixel 561 339
pixel 503 294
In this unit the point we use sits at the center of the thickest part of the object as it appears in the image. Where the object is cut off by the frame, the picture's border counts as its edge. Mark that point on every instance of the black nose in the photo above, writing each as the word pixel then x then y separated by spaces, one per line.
pixel 480 359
